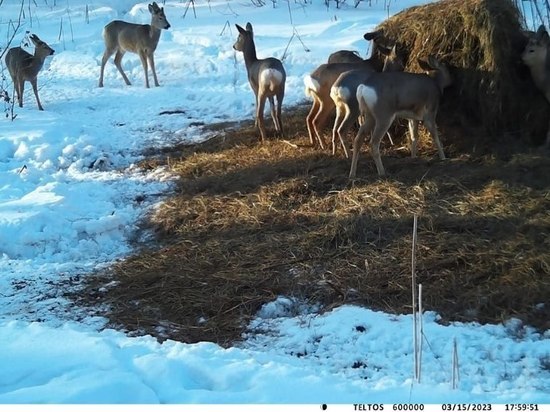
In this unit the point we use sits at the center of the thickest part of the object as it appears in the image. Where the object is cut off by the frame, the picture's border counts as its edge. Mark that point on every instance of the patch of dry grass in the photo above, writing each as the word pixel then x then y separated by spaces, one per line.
pixel 249 222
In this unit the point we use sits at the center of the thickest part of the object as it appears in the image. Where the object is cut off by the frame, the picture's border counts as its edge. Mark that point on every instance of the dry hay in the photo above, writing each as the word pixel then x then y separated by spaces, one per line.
pixel 482 41
pixel 250 222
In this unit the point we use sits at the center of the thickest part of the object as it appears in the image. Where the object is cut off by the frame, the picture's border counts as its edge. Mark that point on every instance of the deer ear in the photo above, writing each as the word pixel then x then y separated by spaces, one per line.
pixel 424 65
pixel 433 62
pixel 372 35
pixel 249 28
pixel 542 35
pixel 240 29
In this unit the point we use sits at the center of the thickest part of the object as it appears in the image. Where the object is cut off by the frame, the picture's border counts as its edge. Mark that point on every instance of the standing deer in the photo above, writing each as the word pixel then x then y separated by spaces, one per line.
pixel 412 96
pixel 25 67
pixel 343 94
pixel 318 85
pixel 267 79
pixel 121 36
pixel 536 57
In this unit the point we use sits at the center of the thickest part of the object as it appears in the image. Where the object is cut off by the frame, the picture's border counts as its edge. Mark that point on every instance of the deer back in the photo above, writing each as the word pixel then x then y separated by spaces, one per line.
pixel 344 56
pixel 345 86
pixel 350 56
pixel 408 95
pixel 137 37
pixel 25 66
pixel 321 79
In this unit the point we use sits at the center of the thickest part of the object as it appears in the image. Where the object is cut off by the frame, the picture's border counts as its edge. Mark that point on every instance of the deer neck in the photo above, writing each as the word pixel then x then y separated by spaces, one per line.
pixel 441 79
pixel 154 34
pixel 36 63
pixel 249 54
pixel 539 75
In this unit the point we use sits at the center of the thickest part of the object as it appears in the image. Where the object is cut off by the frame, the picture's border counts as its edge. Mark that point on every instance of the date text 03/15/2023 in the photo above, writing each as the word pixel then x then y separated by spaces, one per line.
pixel 452 407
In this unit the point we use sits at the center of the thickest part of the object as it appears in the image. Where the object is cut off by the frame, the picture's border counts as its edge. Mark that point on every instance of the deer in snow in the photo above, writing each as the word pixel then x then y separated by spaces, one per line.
pixel 343 93
pixel 266 77
pixel 142 39
pixel 318 85
pixel 536 57
pixel 413 96
pixel 23 67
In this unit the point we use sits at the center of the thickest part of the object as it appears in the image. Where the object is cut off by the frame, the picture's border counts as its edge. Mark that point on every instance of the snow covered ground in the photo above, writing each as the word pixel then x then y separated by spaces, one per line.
pixel 71 197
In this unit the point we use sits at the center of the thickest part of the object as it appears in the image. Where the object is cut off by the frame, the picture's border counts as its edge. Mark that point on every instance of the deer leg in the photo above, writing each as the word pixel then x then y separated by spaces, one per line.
pixel 280 96
pixel 309 122
pixel 321 119
pixel 273 114
pixel 413 135
pixel 143 58
pixel 379 131
pixel 349 118
pixel 260 105
pixel 365 129
pixel 108 53
pixel 35 90
pixel 19 88
pixel 152 64
pixel 118 60
pixel 337 123
pixel 255 90
pixel 429 123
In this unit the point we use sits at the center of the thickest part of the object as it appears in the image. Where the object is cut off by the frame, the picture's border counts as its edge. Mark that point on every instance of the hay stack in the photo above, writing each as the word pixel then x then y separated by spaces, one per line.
pixel 482 41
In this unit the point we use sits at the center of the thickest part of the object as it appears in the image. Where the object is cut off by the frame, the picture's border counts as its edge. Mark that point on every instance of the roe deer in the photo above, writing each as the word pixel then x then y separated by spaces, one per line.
pixel 349 56
pixel 25 67
pixel 412 96
pixel 317 86
pixel 121 36
pixel 536 57
pixel 267 79
pixel 344 95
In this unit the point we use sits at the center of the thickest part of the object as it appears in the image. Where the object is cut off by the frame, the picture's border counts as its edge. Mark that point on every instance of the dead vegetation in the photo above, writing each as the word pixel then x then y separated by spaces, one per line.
pixel 249 222
pixel 481 40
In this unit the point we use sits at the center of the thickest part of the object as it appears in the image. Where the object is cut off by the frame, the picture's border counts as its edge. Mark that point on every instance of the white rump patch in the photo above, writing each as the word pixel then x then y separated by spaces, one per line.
pixel 366 95
pixel 312 85
pixel 340 93
pixel 271 78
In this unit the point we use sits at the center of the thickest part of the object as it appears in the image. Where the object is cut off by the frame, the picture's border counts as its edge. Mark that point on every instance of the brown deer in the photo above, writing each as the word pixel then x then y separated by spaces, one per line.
pixel 413 96
pixel 267 79
pixel 318 85
pixel 343 93
pixel 142 39
pixel 25 67
pixel 536 57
